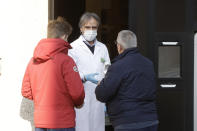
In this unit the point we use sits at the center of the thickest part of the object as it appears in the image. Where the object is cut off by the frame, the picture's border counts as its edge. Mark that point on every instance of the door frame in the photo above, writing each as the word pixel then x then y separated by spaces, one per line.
pixel 51 8
pixel 195 82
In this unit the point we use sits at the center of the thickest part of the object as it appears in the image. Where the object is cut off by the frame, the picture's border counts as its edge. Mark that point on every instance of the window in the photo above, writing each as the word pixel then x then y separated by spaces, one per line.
pixel 169 61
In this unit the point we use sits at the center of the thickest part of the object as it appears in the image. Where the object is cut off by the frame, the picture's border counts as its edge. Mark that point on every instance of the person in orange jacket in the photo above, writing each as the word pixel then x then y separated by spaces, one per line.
pixel 52 81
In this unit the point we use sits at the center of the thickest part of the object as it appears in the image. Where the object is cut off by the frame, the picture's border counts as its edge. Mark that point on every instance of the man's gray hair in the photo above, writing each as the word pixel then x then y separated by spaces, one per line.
pixel 87 16
pixel 127 39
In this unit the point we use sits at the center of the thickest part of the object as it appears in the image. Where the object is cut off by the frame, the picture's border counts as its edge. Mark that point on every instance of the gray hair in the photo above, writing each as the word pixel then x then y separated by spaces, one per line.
pixel 87 16
pixel 127 39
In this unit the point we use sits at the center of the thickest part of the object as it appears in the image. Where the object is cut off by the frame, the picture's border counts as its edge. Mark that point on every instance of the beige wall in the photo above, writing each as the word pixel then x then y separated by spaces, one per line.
pixel 23 23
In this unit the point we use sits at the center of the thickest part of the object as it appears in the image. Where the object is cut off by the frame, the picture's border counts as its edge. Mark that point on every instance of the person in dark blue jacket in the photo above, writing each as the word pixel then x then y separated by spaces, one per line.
pixel 129 88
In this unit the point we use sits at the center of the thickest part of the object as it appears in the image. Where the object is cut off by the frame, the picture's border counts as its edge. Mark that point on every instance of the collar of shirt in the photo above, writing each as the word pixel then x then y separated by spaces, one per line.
pixel 87 43
pixel 124 53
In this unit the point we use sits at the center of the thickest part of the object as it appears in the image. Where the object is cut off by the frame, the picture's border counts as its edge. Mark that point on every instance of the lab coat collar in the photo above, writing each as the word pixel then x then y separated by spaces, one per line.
pixel 86 42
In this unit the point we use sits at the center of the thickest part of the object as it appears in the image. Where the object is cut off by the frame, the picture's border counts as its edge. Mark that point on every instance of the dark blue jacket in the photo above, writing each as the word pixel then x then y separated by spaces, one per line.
pixel 129 89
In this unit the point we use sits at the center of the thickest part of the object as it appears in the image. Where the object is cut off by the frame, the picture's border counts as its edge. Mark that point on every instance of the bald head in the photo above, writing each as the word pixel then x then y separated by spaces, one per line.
pixel 127 39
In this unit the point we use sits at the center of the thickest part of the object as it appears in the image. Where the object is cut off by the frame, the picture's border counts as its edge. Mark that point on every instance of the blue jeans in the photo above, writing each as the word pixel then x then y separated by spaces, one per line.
pixel 57 129
pixel 151 128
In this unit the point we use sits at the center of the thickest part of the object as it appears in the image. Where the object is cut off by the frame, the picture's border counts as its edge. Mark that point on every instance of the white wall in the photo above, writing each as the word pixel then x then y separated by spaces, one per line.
pixel 22 24
pixel 195 82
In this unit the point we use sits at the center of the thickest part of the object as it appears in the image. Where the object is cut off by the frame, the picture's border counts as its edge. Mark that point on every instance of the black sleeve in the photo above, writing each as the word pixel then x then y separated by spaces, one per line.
pixel 109 85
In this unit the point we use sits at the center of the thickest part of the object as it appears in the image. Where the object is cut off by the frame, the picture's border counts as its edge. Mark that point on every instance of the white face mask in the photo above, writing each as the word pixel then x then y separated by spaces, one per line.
pixel 90 35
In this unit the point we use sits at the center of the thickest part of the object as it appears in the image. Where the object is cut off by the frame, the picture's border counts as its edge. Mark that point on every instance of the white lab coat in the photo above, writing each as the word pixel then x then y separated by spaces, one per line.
pixel 91 116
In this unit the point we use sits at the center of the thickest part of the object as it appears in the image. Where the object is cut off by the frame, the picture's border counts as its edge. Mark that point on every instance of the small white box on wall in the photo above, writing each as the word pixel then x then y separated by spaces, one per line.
pixel 0 66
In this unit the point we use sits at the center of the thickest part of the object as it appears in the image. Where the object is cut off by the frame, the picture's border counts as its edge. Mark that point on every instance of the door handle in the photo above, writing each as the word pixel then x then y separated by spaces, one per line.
pixel 169 43
pixel 168 85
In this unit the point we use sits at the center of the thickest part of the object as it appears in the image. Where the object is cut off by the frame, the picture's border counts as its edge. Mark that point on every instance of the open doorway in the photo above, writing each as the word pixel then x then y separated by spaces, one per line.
pixel 113 14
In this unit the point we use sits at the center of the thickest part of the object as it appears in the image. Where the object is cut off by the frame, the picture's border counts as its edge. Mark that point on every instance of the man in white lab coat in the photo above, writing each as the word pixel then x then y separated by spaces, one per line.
pixel 91 57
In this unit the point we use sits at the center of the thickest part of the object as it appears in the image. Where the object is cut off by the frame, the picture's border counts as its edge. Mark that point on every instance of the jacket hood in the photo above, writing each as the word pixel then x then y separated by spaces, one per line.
pixel 47 48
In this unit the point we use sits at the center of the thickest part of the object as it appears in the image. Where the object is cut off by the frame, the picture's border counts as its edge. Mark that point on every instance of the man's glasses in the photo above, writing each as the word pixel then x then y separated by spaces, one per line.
pixel 91 27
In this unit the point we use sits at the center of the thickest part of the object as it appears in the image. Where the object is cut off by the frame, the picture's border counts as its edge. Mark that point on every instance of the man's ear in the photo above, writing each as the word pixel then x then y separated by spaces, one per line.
pixel 81 30
pixel 120 48
pixel 64 37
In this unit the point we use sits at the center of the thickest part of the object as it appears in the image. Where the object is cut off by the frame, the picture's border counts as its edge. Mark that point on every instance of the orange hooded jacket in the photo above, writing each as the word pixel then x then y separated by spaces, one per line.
pixel 52 81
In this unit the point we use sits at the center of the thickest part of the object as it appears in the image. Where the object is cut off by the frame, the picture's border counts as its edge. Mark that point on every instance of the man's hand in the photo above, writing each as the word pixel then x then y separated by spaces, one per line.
pixel 99 83
pixel 78 107
pixel 91 78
